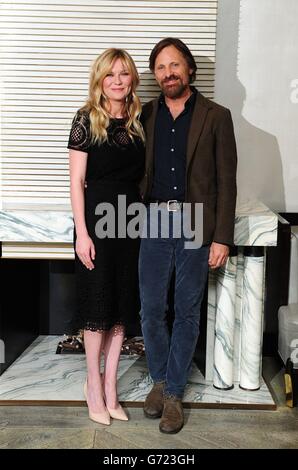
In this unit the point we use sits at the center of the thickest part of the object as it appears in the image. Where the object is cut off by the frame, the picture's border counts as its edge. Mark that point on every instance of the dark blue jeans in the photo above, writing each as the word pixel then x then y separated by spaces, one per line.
pixel 169 358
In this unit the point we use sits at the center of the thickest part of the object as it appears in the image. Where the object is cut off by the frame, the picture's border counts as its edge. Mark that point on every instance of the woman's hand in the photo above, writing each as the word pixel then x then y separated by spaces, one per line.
pixel 85 250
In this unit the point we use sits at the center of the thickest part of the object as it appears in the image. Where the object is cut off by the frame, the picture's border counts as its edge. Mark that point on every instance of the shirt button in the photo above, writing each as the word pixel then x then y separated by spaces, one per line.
pixel 172 150
pixel 173 169
pixel 175 187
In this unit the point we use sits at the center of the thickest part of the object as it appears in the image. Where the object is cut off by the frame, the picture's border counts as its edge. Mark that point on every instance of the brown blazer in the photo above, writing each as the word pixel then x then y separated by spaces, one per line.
pixel 211 162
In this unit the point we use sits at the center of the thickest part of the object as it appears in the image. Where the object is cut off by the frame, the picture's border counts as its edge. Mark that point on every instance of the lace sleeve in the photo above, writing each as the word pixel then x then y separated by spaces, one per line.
pixel 79 137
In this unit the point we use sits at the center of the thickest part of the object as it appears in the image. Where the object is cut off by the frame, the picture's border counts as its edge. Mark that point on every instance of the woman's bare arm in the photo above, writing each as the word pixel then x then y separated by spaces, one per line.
pixel 77 169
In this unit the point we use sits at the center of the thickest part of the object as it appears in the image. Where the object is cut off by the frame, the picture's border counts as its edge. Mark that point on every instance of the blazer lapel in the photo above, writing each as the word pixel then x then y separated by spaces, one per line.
pixel 150 128
pixel 196 126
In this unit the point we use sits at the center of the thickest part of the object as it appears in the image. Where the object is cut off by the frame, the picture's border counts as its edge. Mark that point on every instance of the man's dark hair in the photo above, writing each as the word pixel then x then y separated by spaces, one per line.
pixel 181 47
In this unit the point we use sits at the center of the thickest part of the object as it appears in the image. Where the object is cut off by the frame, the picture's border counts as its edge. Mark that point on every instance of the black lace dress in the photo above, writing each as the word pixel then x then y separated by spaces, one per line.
pixel 108 294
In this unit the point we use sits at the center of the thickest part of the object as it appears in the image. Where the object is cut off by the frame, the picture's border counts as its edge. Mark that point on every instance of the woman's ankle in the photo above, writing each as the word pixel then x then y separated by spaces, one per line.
pixel 94 380
pixel 111 396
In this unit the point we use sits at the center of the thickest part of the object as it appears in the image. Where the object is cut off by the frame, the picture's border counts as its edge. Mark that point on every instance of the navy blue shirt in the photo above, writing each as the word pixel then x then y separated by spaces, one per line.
pixel 170 142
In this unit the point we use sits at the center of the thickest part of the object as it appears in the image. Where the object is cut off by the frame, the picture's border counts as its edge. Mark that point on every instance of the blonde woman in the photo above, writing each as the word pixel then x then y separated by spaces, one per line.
pixel 106 157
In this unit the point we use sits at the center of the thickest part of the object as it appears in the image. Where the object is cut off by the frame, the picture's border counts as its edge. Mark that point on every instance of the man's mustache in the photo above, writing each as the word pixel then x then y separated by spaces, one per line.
pixel 171 77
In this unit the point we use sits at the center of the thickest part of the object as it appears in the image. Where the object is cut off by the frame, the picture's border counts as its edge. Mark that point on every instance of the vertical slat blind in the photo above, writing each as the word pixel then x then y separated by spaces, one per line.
pixel 46 52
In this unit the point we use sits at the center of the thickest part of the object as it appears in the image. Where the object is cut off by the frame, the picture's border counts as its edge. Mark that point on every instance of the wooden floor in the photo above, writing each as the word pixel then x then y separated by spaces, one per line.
pixel 32 427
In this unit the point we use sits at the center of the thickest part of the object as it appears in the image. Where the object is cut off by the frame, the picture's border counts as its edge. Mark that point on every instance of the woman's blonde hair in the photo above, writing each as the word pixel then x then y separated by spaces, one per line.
pixel 97 102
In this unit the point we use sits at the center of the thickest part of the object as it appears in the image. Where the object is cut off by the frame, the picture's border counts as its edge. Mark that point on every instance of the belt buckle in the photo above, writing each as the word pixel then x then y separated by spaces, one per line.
pixel 173 201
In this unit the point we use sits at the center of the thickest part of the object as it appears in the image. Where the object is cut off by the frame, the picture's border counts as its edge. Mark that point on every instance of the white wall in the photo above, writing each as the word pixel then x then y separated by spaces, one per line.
pixel 46 49
pixel 256 63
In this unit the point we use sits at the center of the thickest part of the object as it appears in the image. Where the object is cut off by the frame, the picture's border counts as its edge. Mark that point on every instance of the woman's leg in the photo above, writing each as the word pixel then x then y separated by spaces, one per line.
pixel 112 349
pixel 94 344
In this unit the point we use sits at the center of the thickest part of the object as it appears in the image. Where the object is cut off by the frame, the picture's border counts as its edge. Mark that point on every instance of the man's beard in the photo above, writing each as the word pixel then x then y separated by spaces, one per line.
pixel 173 91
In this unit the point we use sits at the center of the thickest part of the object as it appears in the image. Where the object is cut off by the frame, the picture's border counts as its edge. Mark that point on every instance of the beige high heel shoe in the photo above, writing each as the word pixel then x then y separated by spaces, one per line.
pixel 117 413
pixel 101 418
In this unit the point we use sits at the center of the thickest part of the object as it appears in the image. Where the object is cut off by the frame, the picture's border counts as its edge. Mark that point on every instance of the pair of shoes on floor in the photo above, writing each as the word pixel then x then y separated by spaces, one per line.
pixel 104 417
pixel 167 406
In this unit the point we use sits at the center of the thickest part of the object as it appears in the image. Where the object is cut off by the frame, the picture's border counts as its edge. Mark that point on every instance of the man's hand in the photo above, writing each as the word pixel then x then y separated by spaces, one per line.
pixel 218 255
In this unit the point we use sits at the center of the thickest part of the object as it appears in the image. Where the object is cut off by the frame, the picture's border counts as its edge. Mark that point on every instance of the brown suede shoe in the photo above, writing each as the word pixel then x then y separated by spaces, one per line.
pixel 153 405
pixel 172 420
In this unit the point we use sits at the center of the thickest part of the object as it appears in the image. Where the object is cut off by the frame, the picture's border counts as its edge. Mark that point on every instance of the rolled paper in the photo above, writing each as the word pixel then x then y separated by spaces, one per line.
pixel 252 320
pixel 225 325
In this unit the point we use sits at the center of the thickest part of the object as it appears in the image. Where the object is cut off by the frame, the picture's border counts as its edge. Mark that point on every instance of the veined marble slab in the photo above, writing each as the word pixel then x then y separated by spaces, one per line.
pixel 255 225
pixel 40 374
pixel 36 226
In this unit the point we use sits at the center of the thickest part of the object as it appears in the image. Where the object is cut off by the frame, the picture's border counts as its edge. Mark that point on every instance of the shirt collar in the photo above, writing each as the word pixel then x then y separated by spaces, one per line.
pixel 187 104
